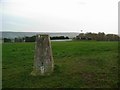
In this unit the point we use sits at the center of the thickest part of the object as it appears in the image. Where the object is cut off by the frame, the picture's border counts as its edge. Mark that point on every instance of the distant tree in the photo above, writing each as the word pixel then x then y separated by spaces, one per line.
pixel 89 36
pixel 116 38
pixel 59 37
pixel 81 36
pixel 7 40
pixel 19 39
pixel 101 36
pixel 112 37
pixel 30 39
pixel 67 37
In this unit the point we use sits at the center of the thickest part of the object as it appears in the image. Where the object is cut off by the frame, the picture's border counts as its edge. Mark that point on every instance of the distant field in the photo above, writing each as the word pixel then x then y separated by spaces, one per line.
pixel 80 64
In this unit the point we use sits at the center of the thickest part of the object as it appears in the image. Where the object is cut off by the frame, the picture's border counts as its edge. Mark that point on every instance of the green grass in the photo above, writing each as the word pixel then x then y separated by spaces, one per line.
pixel 77 65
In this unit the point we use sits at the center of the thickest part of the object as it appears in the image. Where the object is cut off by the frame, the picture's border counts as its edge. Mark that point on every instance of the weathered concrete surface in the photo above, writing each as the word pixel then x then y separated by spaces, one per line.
pixel 43 59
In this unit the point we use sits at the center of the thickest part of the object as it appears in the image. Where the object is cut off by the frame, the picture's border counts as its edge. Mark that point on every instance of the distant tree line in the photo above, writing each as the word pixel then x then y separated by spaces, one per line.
pixel 58 37
pixel 31 39
pixel 101 36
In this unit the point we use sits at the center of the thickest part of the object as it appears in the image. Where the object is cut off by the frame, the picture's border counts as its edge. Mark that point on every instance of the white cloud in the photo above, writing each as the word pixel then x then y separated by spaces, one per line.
pixel 61 15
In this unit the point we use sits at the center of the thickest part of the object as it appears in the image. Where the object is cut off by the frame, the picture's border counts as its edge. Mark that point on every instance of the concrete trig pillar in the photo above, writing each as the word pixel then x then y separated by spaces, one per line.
pixel 43 59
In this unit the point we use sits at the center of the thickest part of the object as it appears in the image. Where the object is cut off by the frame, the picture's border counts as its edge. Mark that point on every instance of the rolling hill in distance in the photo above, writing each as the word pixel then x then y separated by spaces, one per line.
pixel 12 35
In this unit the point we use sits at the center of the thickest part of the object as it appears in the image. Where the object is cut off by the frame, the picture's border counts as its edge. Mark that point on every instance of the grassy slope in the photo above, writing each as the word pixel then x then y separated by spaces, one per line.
pixel 77 64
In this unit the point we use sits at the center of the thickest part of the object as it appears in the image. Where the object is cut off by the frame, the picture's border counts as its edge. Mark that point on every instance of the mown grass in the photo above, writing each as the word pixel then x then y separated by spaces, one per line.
pixel 78 64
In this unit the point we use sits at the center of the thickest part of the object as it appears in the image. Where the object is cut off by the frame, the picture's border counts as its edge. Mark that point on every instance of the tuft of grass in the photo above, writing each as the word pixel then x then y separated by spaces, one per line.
pixel 78 64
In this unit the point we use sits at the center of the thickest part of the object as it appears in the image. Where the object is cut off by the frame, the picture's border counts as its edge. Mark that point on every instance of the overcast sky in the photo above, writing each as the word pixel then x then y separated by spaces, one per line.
pixel 60 15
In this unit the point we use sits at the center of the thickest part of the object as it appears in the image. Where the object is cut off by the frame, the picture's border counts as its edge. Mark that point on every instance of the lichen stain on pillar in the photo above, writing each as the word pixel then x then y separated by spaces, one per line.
pixel 43 59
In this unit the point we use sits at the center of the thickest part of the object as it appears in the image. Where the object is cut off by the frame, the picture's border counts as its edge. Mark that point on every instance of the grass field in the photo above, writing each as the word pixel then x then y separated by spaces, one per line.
pixel 83 64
